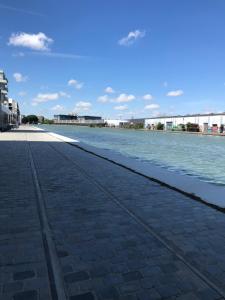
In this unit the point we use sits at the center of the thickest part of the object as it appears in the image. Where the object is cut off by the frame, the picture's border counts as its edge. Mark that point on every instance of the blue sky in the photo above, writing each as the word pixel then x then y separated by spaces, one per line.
pixel 118 58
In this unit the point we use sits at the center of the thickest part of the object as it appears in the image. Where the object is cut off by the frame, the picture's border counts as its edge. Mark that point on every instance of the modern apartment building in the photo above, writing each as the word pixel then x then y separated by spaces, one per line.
pixel 9 108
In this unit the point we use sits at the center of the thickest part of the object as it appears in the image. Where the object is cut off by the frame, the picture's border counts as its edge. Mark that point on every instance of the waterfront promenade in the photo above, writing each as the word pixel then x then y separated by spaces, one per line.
pixel 75 226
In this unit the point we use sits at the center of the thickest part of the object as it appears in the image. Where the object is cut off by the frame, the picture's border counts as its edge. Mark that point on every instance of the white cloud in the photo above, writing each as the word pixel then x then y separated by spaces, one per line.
pixel 57 108
pixel 78 85
pixel 64 95
pixel 38 42
pixel 121 107
pixel 41 98
pixel 147 97
pixel 19 54
pixel 131 38
pixel 152 106
pixel 103 99
pixel 19 77
pixel 82 106
pixel 22 93
pixel 124 98
pixel 109 90
pixel 175 93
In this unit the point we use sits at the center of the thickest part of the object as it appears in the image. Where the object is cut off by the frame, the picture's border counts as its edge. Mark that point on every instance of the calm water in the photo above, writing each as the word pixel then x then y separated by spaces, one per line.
pixel 200 156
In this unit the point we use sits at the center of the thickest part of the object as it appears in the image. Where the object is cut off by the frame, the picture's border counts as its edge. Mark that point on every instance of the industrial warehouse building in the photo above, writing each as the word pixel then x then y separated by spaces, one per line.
pixel 73 119
pixel 203 122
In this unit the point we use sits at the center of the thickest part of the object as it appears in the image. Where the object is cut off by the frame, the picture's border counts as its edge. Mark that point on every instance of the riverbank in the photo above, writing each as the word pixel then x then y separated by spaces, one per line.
pixel 145 129
pixel 202 191
pixel 201 157
pixel 76 226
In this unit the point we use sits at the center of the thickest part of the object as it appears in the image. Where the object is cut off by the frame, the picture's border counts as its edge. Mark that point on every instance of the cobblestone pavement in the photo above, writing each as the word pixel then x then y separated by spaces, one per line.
pixel 117 235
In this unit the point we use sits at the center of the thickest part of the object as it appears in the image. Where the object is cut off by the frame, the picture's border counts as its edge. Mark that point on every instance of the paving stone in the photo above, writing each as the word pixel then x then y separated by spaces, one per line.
pixel 76 276
pixel 23 275
pixel 188 296
pixel 85 296
pixel 208 294
pixel 26 295
pixel 132 276
pixel 12 287
pixel 129 287
pixel 67 269
pixel 100 246
pixel 150 294
pixel 108 293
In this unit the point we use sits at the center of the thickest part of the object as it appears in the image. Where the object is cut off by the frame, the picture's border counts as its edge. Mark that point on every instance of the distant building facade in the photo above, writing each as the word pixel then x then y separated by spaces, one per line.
pixel 78 120
pixel 204 122
pixel 15 112
pixel 41 119
pixel 115 122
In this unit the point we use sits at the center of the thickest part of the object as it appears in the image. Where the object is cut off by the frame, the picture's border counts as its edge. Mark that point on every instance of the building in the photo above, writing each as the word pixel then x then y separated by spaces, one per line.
pixel 3 88
pixel 9 108
pixel 41 119
pixel 115 122
pixel 137 121
pixel 62 118
pixel 77 120
pixel 15 112
pixel 199 122
pixel 4 110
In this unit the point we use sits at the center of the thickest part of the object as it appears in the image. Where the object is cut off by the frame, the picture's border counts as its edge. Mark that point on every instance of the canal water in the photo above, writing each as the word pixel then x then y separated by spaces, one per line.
pixel 194 155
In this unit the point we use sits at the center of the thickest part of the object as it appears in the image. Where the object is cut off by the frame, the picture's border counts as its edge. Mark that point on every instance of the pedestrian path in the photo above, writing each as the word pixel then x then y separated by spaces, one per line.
pixel 75 226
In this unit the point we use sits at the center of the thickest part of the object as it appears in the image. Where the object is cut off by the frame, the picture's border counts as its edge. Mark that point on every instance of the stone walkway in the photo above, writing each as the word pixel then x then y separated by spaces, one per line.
pixel 110 233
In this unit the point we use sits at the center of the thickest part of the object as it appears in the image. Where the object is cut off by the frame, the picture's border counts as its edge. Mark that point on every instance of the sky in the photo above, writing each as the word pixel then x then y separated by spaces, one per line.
pixel 115 58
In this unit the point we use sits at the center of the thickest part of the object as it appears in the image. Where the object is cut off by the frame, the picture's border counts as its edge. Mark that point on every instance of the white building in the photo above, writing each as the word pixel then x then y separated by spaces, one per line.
pixel 206 122
pixel 115 122
pixel 9 108
pixel 15 112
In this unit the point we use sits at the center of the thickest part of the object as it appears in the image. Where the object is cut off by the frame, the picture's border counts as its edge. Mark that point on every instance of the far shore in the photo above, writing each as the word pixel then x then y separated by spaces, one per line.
pixel 145 129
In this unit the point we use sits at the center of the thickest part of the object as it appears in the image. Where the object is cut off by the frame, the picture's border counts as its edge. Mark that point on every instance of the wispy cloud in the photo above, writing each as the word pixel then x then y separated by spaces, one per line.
pixel 75 83
pixel 19 77
pixel 147 97
pixel 42 98
pixel 38 42
pixel 152 106
pixel 103 99
pixel 18 54
pixel 175 93
pixel 124 98
pixel 58 108
pixel 131 38
pixel 64 95
pixel 20 10
pixel 121 107
pixel 109 90
pixel 22 93
pixel 58 55
pixel 82 106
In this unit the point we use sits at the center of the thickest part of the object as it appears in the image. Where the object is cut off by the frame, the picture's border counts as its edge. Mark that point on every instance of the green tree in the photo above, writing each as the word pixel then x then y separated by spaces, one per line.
pixel 24 120
pixel 32 119
pixel 47 121
pixel 159 126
